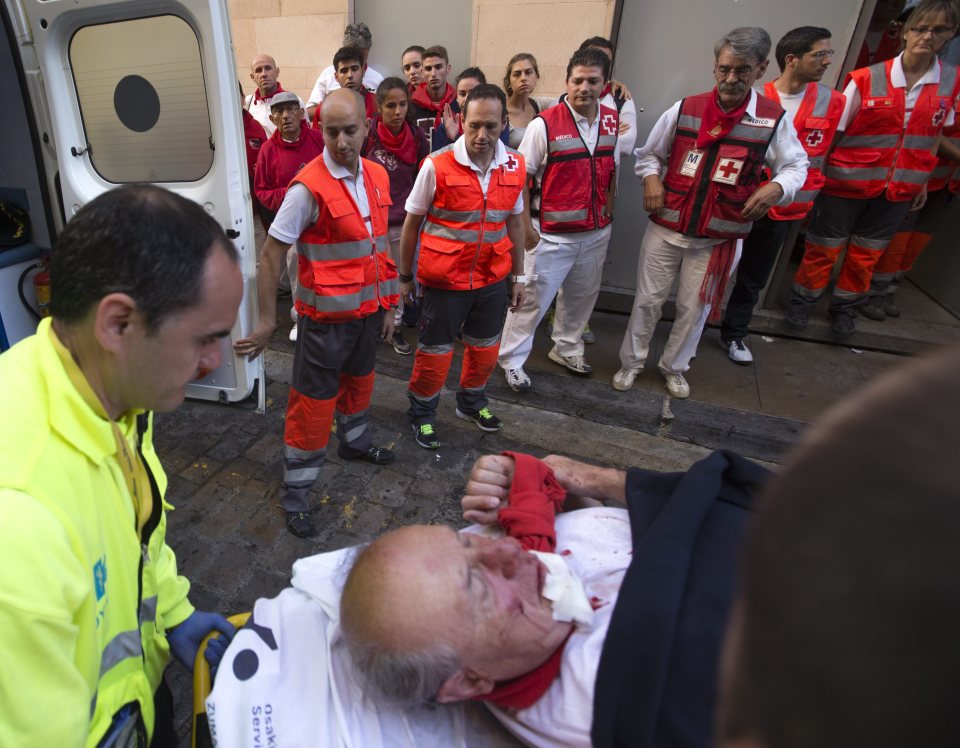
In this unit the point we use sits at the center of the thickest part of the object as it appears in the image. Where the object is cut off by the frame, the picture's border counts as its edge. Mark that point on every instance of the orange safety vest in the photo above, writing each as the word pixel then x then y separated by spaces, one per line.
pixel 343 272
pixel 816 122
pixel 946 173
pixel 705 189
pixel 464 242
pixel 573 190
pixel 877 153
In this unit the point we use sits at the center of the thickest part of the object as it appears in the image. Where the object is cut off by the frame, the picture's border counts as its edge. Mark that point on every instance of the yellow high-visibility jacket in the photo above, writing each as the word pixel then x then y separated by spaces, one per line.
pixel 83 603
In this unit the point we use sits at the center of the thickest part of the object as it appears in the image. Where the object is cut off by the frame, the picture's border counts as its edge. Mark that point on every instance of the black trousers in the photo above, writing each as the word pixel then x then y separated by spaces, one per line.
pixel 756 263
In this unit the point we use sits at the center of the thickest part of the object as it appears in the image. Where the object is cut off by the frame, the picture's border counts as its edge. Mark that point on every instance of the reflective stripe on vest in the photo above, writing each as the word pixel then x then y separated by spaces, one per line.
pixel 574 183
pixel 816 124
pixel 878 154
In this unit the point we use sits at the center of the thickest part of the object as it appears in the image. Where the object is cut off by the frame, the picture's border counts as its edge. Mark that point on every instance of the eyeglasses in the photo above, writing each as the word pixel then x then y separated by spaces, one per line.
pixel 935 30
pixel 741 71
pixel 823 54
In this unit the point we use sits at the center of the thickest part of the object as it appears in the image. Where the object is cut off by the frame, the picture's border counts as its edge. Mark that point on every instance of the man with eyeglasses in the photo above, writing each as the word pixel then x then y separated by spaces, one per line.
pixel 711 150
pixel 803 56
pixel 878 171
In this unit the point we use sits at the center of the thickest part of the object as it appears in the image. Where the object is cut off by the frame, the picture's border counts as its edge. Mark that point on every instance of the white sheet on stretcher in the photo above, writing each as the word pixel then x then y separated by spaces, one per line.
pixel 287 683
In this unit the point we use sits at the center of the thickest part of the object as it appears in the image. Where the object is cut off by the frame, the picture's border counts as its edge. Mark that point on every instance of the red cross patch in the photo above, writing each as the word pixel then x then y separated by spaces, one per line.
pixel 814 138
pixel 939 116
pixel 511 164
pixel 608 124
pixel 728 169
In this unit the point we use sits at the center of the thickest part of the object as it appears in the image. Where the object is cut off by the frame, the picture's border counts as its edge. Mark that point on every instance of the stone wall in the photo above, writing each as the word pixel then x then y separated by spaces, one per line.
pixel 303 34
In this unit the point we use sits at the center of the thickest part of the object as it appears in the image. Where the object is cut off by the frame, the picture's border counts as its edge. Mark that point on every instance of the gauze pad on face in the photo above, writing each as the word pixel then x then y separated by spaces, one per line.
pixel 565 590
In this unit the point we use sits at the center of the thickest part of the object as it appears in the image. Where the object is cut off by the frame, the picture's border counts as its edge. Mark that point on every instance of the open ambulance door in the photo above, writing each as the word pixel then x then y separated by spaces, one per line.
pixel 146 91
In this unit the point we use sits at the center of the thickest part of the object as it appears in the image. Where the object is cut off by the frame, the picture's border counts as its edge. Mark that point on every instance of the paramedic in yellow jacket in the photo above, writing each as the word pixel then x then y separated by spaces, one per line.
pixel 144 287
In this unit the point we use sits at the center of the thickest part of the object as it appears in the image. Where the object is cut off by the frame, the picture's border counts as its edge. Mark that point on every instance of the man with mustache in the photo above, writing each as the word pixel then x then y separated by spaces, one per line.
pixel 708 149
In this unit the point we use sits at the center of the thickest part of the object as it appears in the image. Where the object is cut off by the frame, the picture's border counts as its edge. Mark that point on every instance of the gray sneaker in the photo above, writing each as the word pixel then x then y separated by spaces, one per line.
pixel 517 379
pixel 576 364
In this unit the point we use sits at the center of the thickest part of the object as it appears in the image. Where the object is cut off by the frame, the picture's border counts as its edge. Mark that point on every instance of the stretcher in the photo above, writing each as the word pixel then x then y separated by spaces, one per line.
pixel 202 683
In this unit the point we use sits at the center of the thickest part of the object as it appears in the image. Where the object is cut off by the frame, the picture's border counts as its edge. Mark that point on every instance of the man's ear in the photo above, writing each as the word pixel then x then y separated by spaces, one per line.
pixel 462 686
pixel 762 68
pixel 112 320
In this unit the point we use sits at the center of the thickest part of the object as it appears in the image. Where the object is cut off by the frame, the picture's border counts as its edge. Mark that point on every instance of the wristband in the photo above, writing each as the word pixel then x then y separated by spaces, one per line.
pixel 518 278
pixel 404 278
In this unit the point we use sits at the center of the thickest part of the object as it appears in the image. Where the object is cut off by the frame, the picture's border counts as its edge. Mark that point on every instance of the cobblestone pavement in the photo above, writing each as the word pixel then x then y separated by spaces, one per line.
pixel 225 465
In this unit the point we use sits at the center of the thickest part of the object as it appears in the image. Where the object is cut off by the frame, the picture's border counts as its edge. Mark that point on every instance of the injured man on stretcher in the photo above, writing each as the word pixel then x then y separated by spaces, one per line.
pixel 599 626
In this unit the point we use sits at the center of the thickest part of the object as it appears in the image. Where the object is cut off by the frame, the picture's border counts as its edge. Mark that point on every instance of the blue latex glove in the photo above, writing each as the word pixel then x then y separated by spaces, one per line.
pixel 185 639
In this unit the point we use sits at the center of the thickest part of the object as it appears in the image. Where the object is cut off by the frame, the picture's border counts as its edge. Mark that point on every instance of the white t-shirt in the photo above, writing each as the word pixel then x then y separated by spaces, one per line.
pixel 791 102
pixel 299 209
pixel 421 196
pixel 327 82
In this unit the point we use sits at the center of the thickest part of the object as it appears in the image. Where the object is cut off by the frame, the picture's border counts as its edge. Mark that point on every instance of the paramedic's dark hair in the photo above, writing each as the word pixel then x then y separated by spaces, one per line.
pixel 437 51
pixel 589 58
pixel 798 42
pixel 347 54
pixel 488 92
pixel 389 84
pixel 475 73
pixel 845 630
pixel 138 239
pixel 597 41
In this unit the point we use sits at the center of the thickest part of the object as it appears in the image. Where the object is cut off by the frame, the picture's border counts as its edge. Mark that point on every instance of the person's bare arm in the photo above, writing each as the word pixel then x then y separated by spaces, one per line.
pixel 531 237
pixel 945 148
pixel 653 193
pixel 516 230
pixel 272 257
pixel 488 487
pixel 408 245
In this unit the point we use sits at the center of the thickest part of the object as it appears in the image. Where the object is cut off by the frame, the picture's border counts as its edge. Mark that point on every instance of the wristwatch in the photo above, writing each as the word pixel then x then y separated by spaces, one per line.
pixel 518 279
pixel 404 278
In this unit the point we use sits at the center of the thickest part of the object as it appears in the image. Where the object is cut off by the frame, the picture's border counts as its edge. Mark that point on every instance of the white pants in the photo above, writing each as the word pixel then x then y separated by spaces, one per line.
pixel 574 269
pixel 658 265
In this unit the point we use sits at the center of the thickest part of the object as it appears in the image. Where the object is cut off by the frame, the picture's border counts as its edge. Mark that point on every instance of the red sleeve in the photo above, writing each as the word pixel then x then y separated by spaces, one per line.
pixel 264 180
pixel 535 497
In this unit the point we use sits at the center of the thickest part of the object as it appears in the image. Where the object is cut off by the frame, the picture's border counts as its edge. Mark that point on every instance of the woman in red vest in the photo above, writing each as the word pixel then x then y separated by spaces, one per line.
pixel 896 111
pixel 399 147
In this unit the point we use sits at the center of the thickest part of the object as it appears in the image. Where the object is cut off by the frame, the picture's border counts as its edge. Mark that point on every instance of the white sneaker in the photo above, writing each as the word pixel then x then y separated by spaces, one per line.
pixel 576 364
pixel 676 385
pixel 293 334
pixel 624 378
pixel 737 352
pixel 517 379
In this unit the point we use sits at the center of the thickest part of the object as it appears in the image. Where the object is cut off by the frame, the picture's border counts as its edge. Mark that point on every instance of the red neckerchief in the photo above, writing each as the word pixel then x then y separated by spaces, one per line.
pixel 421 98
pixel 281 143
pixel 606 89
pixel 257 97
pixel 535 497
pixel 716 123
pixel 403 146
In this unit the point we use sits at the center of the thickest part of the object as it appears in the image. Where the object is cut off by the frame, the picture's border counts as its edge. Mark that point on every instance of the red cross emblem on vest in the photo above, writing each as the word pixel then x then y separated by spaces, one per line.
pixel 728 169
pixel 608 124
pixel 814 138
pixel 511 163
pixel 939 116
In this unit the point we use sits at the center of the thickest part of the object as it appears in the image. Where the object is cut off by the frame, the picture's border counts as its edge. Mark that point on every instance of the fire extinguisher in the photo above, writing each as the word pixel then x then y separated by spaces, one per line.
pixel 41 286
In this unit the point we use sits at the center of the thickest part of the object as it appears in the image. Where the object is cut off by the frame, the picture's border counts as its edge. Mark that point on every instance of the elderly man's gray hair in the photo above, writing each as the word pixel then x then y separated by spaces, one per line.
pixel 745 42
pixel 357 35
pixel 402 679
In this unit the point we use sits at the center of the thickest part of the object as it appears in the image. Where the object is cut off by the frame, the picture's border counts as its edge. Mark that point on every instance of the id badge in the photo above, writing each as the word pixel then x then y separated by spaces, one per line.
pixel 691 162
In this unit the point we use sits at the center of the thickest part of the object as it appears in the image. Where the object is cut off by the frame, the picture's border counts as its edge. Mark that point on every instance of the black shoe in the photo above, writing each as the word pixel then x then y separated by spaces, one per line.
pixel 400 345
pixel 873 309
pixel 842 323
pixel 890 307
pixel 300 524
pixel 486 420
pixel 426 435
pixel 373 455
